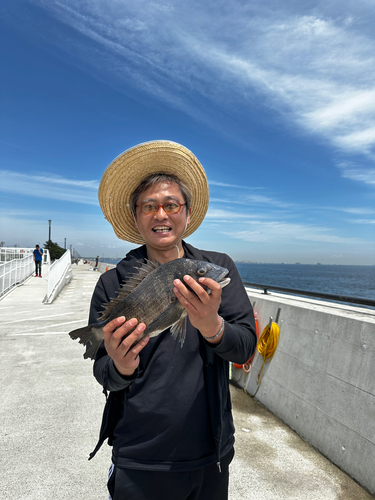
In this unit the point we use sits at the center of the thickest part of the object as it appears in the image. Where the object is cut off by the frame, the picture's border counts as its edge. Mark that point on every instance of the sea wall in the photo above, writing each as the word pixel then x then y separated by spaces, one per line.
pixel 321 380
pixel 104 266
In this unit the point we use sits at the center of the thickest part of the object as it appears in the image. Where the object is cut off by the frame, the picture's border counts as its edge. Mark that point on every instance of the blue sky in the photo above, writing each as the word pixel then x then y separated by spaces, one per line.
pixel 276 99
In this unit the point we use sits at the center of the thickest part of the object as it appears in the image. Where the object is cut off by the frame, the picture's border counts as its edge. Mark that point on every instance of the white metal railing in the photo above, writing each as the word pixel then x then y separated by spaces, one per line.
pixel 12 253
pixel 46 256
pixel 59 274
pixel 14 272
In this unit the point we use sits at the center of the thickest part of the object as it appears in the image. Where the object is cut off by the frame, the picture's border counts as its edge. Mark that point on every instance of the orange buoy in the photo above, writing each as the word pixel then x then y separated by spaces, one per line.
pixel 238 366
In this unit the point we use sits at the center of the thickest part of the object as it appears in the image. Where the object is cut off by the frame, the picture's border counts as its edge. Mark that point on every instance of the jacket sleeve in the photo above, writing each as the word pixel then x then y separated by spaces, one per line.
pixel 239 339
pixel 104 368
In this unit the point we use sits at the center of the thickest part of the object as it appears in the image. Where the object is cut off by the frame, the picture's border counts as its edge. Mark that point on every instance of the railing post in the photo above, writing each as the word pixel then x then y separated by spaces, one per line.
pixel 59 275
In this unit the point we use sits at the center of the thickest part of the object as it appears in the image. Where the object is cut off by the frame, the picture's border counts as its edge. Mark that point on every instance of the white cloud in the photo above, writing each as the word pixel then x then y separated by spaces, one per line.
pixel 350 171
pixel 359 211
pixel 316 70
pixel 50 187
pixel 361 140
pixel 266 200
pixel 88 229
pixel 282 232
pixel 224 184
pixel 356 103
pixel 362 221
pixel 228 215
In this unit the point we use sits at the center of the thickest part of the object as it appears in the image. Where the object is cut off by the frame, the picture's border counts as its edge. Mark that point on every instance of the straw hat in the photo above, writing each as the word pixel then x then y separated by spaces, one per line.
pixel 130 168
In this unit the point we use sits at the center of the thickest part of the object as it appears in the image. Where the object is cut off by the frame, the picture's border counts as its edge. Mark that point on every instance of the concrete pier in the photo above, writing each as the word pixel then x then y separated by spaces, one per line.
pixel 51 413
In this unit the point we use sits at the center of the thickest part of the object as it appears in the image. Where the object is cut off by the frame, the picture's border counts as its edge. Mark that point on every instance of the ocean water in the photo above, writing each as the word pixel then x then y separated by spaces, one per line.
pixel 351 281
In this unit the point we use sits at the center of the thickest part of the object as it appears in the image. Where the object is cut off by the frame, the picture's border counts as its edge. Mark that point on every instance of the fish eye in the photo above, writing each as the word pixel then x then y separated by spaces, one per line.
pixel 201 271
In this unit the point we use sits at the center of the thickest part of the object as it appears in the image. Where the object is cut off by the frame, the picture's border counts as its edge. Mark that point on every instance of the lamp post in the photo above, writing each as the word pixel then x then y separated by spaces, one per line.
pixel 49 232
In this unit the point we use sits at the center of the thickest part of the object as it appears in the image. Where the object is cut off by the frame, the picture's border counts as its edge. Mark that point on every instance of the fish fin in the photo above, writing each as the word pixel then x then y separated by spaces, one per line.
pixel 128 286
pixel 165 320
pixel 91 336
pixel 152 264
pixel 178 330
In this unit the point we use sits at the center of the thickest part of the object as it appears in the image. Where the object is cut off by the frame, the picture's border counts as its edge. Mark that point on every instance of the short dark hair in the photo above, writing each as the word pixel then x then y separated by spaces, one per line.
pixel 153 179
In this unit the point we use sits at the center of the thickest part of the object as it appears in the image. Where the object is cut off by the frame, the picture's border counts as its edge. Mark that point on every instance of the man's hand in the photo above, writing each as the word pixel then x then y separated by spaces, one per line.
pixel 202 308
pixel 126 360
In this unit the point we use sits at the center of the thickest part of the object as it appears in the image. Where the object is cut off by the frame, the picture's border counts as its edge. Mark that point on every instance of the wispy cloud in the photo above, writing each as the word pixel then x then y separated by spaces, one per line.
pixel 266 200
pixel 350 171
pixel 362 221
pixel 248 199
pixel 315 68
pixel 49 186
pixel 271 227
pixel 236 186
pixel 359 211
pixel 262 231
pixel 228 215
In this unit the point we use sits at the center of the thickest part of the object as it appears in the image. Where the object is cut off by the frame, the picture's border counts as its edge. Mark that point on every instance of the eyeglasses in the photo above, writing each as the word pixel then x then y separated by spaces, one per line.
pixel 170 207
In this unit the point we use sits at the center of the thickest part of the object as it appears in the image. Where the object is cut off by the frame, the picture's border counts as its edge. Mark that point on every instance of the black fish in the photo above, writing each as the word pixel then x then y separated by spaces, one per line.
pixel 148 296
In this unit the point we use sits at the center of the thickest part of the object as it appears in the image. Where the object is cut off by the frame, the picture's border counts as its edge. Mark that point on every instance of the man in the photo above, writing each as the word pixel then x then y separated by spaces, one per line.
pixel 38 257
pixel 168 415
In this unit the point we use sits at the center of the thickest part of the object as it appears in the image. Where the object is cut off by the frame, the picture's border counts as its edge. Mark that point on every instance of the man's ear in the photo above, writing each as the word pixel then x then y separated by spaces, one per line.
pixel 188 218
pixel 135 222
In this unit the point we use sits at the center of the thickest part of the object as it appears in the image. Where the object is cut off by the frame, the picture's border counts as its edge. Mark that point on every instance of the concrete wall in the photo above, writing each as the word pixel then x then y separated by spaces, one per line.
pixel 102 266
pixel 321 381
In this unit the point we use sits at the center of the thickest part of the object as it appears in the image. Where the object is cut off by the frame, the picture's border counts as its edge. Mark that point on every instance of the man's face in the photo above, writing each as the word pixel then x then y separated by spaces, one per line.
pixel 162 231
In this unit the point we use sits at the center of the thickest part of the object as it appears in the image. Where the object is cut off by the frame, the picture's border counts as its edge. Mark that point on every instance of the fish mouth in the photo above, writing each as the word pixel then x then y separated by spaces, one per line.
pixel 222 280
pixel 161 229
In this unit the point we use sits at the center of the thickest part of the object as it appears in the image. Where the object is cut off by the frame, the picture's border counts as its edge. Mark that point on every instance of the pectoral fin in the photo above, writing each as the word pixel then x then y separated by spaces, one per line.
pixel 178 330
pixel 171 317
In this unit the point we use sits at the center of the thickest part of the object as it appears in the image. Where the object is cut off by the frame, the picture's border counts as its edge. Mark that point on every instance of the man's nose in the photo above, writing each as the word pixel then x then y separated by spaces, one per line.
pixel 161 214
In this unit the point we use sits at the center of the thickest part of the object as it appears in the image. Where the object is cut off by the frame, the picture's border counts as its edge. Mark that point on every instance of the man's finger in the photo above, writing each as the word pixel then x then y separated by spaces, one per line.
pixel 213 285
pixel 196 287
pixel 182 287
pixel 117 328
pixel 140 345
pixel 133 336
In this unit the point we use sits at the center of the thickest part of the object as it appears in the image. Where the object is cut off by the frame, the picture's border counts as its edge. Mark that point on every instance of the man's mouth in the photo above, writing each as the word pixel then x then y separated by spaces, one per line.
pixel 161 229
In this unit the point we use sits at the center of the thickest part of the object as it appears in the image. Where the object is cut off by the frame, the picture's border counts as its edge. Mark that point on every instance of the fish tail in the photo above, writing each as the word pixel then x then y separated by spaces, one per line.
pixel 91 337
pixel 92 349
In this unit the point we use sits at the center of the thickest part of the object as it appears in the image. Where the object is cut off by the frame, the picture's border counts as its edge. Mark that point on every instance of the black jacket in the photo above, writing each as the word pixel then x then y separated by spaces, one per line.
pixel 237 345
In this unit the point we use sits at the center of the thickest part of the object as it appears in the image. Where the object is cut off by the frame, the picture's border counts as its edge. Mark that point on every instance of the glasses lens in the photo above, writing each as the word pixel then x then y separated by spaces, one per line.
pixel 171 208
pixel 149 208
pixel 152 208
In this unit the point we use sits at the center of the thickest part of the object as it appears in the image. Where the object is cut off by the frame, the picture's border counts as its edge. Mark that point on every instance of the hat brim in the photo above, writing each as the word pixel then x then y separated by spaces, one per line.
pixel 130 168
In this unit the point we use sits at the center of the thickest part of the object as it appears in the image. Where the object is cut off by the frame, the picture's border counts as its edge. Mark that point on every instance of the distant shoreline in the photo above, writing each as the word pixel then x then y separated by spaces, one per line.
pixel 110 260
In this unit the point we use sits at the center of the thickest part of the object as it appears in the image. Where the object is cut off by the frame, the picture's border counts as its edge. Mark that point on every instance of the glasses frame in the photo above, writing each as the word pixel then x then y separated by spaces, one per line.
pixel 161 206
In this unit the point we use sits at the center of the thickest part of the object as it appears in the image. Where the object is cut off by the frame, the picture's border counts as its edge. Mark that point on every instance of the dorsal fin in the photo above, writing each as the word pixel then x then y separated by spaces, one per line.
pixel 129 285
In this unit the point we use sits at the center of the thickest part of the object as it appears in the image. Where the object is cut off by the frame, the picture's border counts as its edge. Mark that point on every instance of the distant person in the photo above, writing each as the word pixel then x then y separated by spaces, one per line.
pixel 38 257
pixel 168 414
pixel 96 261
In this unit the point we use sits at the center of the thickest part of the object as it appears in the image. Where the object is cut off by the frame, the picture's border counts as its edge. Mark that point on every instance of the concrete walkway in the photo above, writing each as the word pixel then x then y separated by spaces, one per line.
pixel 51 412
